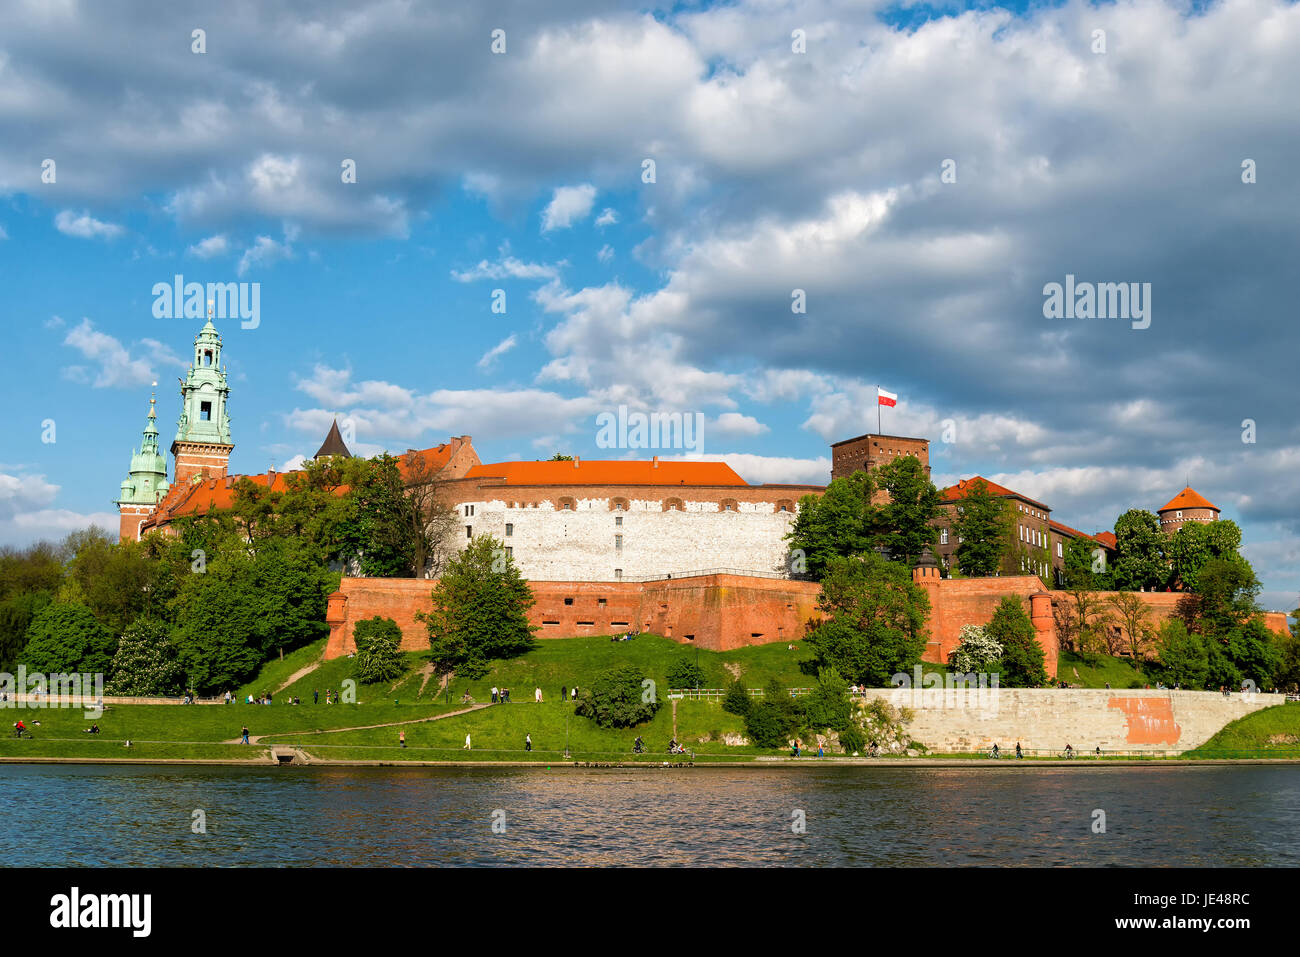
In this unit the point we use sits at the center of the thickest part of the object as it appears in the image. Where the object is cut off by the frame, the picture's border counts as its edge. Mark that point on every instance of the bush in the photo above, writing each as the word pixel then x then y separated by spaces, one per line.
pixel 615 699
pixel 828 706
pixel 685 673
pixel 766 724
pixel 146 662
pixel 66 639
pixel 737 699
pixel 379 654
pixel 853 740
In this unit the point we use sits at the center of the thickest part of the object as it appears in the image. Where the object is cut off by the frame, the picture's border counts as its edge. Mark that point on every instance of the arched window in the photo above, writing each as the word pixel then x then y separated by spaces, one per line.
pixel 618 504
pixel 785 505
pixel 728 505
pixel 674 505
pixel 566 504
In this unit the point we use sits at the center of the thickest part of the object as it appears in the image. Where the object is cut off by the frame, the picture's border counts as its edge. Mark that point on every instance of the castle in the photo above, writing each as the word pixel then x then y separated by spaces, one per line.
pixel 687 549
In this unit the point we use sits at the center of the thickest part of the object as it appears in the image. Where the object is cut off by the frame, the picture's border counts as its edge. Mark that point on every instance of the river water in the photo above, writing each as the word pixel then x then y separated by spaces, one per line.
pixel 79 815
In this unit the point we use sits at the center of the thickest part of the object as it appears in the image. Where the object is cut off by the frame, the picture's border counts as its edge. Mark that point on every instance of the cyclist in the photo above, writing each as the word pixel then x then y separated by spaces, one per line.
pixel 995 752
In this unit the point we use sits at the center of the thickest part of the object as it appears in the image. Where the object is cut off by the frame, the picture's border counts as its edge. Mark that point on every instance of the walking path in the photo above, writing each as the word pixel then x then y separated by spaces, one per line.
pixel 300 673
pixel 257 738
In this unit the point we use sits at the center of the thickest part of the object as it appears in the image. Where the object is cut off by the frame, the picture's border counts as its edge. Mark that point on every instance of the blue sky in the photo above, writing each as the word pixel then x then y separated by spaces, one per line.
pixel 776 170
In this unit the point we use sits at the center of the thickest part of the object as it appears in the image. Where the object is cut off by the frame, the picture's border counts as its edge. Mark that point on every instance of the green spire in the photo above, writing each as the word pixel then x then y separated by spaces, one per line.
pixel 147 483
pixel 204 391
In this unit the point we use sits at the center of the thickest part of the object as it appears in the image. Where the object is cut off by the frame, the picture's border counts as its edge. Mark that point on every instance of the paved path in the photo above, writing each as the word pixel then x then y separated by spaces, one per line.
pixel 257 738
pixel 301 673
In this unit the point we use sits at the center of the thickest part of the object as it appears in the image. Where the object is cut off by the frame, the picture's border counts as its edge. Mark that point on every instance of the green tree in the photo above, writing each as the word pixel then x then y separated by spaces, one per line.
pixel 16 615
pixel 976 651
pixel 1255 651
pixel 1225 593
pixel 1196 543
pixel 685 673
pixel 1183 655
pixel 828 705
pixel 114 580
pixel 905 523
pixel 146 662
pixel 982 523
pixel 837 524
pixel 1140 561
pixel 737 700
pixel 377 527
pixel 617 698
pixel 66 638
pixel 35 568
pixel 480 609
pixel 245 607
pixel 1134 615
pixel 1023 663
pixel 379 651
pixel 875 620
pixel 772 721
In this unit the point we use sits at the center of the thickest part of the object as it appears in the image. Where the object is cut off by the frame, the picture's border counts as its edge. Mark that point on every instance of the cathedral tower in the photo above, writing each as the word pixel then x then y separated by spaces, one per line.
pixel 202 443
pixel 147 483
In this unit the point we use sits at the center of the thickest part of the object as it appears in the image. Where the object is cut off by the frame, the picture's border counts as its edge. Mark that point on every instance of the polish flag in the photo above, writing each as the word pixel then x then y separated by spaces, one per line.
pixel 886 398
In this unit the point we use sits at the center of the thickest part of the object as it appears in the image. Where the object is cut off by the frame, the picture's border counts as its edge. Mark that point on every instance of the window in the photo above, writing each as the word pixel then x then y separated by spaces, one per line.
pixel 568 601
pixel 510 529
pixel 469 531
pixel 1178 514
pixel 205 415
pixel 618 542
pixel 207 358
pixel 618 574
pixel 1060 550
pixel 618 520
pixel 510 552
pixel 943 536
pixel 600 601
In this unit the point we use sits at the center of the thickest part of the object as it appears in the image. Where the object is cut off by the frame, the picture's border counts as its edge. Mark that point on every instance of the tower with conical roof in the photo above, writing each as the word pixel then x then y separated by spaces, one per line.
pixel 333 446
pixel 147 483
pixel 1188 505
pixel 202 445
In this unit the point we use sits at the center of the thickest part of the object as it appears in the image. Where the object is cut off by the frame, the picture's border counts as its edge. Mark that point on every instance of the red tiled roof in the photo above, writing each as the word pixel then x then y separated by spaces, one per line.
pixel 608 472
pixel 1066 529
pixel 1107 538
pixel 1188 498
pixel 959 491
pixel 435 459
pixel 214 494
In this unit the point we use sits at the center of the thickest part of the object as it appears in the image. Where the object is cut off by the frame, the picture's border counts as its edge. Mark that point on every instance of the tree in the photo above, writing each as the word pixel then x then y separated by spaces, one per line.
pixel 1196 543
pixel 30 570
pixel 68 639
pixel 377 528
pixel 1183 655
pixel 976 651
pixel 558 457
pixel 875 620
pixel 1140 561
pixel 1226 589
pixel 982 525
pixel 146 662
pixel 737 699
pixel 379 651
pixel 245 606
pixel 480 609
pixel 906 522
pixel 828 706
pixel 16 614
pixel 773 720
pixel 1083 621
pixel 1255 652
pixel 839 523
pixel 685 673
pixel 430 521
pixel 616 698
pixel 113 579
pixel 1134 615
pixel 1023 663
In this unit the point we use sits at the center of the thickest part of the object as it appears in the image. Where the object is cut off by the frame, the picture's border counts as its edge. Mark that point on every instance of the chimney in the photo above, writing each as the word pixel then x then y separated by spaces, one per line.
pixel 654 462
pixel 576 461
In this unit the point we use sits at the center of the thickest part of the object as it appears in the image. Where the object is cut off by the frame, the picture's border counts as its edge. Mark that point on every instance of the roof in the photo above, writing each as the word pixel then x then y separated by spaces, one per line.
pixel 1108 539
pixel 214 494
pixel 879 435
pixel 1101 538
pixel 959 491
pixel 1189 498
pixel 333 444
pixel 435 459
pixel 607 472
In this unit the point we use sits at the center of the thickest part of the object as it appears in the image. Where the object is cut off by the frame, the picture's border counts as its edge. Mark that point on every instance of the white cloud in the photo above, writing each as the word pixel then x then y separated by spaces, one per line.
pixel 3 234
pixel 501 348
pixel 767 469
pixel 264 252
pixel 733 423
pixel 114 366
pixel 209 248
pixel 85 226
pixel 568 205
pixel 606 253
pixel 508 268
pixel 607 217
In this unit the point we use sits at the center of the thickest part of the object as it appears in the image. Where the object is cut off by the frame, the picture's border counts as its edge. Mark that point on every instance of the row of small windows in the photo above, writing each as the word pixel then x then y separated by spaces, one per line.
pixel 622 505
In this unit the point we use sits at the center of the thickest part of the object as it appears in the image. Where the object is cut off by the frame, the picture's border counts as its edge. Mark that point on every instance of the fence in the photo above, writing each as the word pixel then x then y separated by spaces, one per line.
pixel 698 694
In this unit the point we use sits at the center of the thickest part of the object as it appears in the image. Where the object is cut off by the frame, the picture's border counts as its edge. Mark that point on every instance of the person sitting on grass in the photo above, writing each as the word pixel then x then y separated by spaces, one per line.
pixel 19 728
pixel 93 729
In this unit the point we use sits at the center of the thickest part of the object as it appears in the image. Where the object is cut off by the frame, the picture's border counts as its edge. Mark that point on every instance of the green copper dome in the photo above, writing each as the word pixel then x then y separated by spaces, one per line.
pixel 147 483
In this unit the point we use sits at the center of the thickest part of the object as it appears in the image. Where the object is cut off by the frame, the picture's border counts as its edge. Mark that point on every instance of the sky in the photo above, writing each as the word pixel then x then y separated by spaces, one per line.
pixel 914 174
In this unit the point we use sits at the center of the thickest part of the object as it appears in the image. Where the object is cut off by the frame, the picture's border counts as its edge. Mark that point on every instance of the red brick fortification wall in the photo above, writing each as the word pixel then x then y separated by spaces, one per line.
pixel 718 612
pixel 955 602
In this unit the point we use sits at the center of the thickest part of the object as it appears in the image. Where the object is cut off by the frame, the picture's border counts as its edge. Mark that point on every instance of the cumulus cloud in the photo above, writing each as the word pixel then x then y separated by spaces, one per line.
pixel 210 248
pixel 507 268
pixel 607 217
pixel 85 226
pixel 501 348
pixel 568 205
pixel 264 252
pixel 115 366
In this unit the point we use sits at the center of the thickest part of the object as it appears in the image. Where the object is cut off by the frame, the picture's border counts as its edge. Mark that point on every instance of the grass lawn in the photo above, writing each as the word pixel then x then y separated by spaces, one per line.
pixel 1094 671
pixel 1270 733
pixel 275 673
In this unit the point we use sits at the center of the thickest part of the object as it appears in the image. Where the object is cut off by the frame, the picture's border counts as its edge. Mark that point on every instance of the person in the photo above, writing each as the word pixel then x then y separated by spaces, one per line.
pixel 537 695
pixel 794 751
pixel 564 693
pixel 821 752
pixel 93 729
pixel 244 733
pixel 315 696
pixel 672 746
pixel 573 693
pixel 1069 751
pixel 494 694
pixel 401 738
pixel 467 745
pixel 505 695
pixel 19 727
pixel 1098 751
pixel 996 752
pixel 528 742
pixel 638 746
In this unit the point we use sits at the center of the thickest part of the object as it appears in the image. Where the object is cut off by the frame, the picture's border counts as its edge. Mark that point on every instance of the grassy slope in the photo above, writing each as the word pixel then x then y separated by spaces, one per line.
pixel 275 673
pixel 1249 736
pixel 1075 670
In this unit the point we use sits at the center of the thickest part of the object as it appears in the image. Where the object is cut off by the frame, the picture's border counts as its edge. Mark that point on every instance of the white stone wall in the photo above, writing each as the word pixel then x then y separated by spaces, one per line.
pixel 578 544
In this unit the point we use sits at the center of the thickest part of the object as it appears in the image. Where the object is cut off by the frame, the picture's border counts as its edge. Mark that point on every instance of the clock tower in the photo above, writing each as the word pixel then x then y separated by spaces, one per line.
pixel 202 445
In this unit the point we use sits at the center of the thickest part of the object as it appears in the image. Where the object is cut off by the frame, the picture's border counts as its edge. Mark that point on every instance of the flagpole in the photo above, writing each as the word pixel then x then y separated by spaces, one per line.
pixel 878 426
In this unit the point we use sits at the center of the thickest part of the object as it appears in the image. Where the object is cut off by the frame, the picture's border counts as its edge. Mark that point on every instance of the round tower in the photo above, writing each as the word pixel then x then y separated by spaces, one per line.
pixel 1187 506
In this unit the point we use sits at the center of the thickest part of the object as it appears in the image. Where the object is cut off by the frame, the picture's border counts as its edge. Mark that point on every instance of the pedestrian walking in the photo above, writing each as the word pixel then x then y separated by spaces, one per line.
pixel 315 696
pixel 494 694
pixel 528 742
pixel 244 739
pixel 537 695
pixel 564 693
pixel 401 738
pixel 467 747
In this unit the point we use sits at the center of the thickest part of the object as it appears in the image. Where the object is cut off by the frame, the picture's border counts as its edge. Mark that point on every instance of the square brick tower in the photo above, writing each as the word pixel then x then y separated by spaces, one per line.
pixel 202 444
pixel 868 451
